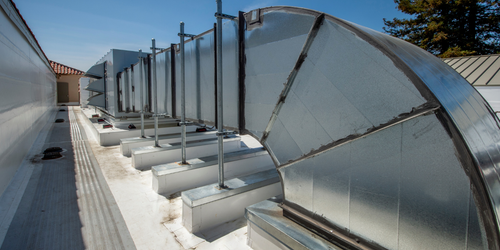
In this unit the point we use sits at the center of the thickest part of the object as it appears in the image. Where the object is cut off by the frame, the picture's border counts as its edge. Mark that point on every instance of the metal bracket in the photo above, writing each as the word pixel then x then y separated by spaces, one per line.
pixel 225 16
pixel 226 133
pixel 156 48
pixel 186 35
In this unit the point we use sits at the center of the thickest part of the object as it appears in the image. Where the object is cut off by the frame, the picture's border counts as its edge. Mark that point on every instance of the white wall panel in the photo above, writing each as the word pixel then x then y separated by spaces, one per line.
pixel 28 92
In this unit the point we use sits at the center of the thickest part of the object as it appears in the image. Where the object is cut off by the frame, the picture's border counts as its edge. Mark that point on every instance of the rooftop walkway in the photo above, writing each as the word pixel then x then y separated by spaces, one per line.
pixel 92 198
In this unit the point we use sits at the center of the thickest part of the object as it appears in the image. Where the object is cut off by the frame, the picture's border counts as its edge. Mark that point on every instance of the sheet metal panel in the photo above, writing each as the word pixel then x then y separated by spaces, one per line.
pixel 126 91
pixel 469 112
pixel 434 189
pixel 137 91
pixel 230 62
pixel 374 187
pixel 402 187
pixel 192 84
pixel 205 52
pixel 97 100
pixel 161 78
pixel 363 68
pixel 200 92
pixel 271 52
pixel 28 92
pixel 84 95
pixel 168 82
pixel 178 83
pixel 96 71
pixel 97 86
pixel 342 102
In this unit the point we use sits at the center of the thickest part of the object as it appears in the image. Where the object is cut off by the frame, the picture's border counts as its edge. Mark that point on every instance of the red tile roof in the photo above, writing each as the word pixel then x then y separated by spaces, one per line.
pixel 65 70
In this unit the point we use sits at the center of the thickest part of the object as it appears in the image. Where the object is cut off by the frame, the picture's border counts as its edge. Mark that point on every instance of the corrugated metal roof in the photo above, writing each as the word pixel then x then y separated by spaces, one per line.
pixel 477 70
pixel 65 70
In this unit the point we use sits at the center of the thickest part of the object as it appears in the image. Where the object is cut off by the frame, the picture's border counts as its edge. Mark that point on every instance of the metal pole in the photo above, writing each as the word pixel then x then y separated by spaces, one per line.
pixel 141 86
pixel 219 94
pixel 183 97
pixel 155 89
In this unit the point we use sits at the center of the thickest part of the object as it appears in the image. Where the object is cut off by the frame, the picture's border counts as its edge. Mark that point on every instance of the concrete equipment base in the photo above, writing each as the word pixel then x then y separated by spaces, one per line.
pixel 127 144
pixel 268 229
pixel 112 136
pixel 146 157
pixel 170 178
pixel 208 206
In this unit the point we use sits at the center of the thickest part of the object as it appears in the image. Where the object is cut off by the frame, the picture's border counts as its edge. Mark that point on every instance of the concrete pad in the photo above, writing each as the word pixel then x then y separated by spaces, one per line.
pixel 172 177
pixel 112 136
pixel 146 157
pixel 206 207
pixel 127 144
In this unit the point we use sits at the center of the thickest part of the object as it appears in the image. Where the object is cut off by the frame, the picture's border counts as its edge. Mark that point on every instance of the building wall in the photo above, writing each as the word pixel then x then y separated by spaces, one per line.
pixel 28 91
pixel 72 81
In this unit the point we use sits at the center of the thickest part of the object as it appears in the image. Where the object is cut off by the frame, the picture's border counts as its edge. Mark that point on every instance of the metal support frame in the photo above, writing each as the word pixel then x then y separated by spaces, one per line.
pixel 141 87
pixel 183 94
pixel 172 79
pixel 220 123
pixel 155 89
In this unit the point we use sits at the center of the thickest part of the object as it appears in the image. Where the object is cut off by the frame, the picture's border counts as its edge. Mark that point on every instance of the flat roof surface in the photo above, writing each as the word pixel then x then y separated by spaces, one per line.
pixel 94 197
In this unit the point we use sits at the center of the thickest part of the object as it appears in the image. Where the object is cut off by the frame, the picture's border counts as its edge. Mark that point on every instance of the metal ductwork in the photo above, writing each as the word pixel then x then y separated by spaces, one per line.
pixel 97 101
pixel 96 71
pixel 96 86
pixel 375 140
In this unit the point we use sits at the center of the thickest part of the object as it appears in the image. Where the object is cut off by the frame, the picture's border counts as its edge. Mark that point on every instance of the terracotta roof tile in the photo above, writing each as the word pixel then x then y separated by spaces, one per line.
pixel 65 70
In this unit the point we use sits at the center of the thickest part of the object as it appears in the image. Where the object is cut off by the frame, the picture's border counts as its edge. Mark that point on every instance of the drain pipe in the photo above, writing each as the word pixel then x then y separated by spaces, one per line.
pixel 183 93
pixel 155 101
pixel 141 83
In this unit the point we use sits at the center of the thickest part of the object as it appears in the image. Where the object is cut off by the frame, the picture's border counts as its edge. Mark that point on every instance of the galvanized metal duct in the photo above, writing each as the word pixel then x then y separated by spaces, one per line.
pixel 378 143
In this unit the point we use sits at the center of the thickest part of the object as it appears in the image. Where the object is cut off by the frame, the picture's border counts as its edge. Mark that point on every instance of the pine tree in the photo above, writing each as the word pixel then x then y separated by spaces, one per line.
pixel 449 28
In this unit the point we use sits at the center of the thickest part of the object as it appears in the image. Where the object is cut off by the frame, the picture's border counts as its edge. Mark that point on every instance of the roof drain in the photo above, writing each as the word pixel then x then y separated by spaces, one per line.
pixel 52 153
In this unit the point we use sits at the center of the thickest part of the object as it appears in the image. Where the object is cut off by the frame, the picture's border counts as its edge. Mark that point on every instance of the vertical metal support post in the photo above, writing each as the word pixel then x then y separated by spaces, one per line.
pixel 172 81
pixel 220 123
pixel 155 89
pixel 141 87
pixel 183 97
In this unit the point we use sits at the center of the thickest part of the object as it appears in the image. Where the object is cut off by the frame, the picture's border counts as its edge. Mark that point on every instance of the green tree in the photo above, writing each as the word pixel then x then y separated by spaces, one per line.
pixel 449 28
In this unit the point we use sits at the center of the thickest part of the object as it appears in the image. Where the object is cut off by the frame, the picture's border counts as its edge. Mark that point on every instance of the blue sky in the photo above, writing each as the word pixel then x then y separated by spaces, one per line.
pixel 79 33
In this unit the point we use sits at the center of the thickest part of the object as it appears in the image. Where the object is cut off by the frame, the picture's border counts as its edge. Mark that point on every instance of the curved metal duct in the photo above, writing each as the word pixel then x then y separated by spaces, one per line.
pixel 96 86
pixel 97 100
pixel 378 143
pixel 96 71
